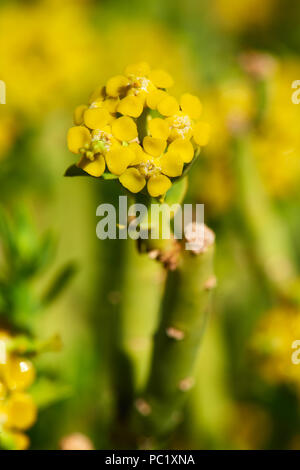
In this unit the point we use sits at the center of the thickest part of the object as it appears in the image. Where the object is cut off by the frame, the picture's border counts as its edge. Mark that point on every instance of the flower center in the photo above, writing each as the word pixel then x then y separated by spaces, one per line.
pixel 182 124
pixel 149 168
pixel 141 84
pixel 102 140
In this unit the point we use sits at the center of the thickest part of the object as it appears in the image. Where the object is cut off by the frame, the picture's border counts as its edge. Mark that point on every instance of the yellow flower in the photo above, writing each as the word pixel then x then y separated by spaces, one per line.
pixel 18 411
pixel 277 146
pixel 272 345
pixel 21 411
pixel 39 55
pixel 18 373
pixel 139 132
pixel 21 440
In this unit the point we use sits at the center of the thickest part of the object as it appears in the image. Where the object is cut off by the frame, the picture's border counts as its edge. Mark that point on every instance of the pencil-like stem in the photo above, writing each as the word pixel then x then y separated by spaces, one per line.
pixel 177 340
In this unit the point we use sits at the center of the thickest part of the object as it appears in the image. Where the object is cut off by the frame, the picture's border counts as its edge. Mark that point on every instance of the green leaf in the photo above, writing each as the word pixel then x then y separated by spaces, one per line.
pixel 28 346
pixel 59 283
pixel 109 176
pixel 73 170
pixel 177 192
pixel 188 167
pixel 45 392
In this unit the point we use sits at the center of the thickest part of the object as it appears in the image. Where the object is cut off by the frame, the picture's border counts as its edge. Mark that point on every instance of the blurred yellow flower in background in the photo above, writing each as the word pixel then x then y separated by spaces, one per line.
pixel 133 41
pixel 18 411
pixel 277 146
pixel 275 140
pixel 251 426
pixel 272 345
pixel 47 50
pixel 229 105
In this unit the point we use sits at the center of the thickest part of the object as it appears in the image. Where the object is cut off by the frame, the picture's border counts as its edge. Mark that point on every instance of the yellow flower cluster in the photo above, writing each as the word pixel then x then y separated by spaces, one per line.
pixel 272 343
pixel 17 409
pixel 138 131
pixel 277 146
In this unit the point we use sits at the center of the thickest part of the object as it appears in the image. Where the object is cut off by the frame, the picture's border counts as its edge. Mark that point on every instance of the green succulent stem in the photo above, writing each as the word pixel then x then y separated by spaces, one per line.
pixel 176 343
pixel 141 295
pixel 271 243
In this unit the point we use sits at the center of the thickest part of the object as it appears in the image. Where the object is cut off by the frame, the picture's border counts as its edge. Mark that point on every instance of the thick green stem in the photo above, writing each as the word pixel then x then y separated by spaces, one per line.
pixel 177 341
pixel 267 231
pixel 210 407
pixel 141 296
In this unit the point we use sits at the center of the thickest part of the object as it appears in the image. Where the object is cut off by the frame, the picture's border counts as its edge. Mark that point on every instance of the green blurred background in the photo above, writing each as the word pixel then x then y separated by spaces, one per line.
pixel 52 54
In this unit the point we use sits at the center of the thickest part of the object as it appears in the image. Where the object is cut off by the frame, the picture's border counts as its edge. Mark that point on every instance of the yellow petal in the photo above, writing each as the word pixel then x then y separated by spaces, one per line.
pixel 111 104
pixel 21 411
pixel 171 164
pixel 124 128
pixel 78 137
pixel 168 106
pixel 141 69
pixel 18 373
pixel 153 146
pixel 140 155
pixel 97 94
pixel 132 180
pixel 161 79
pixel 201 133
pixel 154 97
pixel 95 168
pixel 119 159
pixel 131 106
pixel 117 85
pixel 184 148
pixel 96 118
pixel 158 185
pixel 191 105
pixel 78 114
pixel 159 128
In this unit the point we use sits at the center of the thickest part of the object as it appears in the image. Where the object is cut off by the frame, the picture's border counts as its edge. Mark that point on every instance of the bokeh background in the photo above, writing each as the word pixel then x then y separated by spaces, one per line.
pixel 240 58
